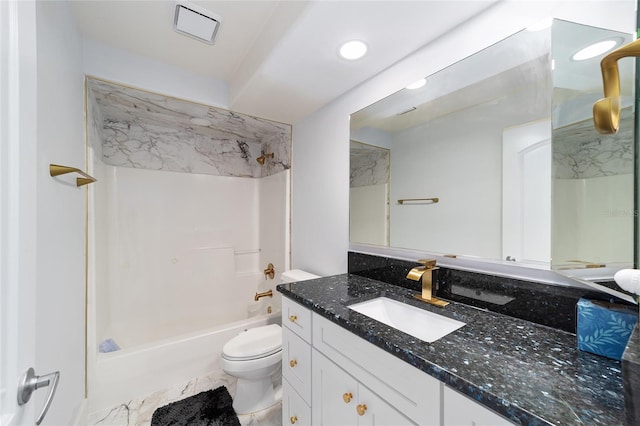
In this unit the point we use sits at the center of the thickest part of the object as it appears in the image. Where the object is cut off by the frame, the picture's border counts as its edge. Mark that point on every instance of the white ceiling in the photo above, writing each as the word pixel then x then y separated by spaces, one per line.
pixel 279 58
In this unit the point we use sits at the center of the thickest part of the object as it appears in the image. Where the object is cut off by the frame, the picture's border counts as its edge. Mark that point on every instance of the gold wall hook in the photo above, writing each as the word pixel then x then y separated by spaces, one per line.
pixel 606 111
pixel 57 170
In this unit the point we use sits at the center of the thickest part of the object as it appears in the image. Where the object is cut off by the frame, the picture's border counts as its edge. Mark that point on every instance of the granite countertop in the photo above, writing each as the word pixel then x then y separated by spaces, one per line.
pixel 529 373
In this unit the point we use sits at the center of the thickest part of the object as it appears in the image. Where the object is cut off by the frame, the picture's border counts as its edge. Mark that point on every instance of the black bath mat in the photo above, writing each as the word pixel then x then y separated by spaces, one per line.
pixel 210 408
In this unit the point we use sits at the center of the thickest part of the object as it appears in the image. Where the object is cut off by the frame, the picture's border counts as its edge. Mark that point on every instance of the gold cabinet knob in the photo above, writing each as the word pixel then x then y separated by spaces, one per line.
pixel 361 408
pixel 347 397
pixel 293 419
pixel 293 363
pixel 293 318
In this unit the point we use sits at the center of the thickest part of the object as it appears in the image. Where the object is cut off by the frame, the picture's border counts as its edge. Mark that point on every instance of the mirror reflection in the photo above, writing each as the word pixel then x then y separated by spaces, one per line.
pixel 504 140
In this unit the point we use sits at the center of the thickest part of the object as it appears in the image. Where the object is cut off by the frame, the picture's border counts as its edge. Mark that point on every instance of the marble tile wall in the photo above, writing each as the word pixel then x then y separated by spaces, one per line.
pixel 369 165
pixel 579 152
pixel 151 131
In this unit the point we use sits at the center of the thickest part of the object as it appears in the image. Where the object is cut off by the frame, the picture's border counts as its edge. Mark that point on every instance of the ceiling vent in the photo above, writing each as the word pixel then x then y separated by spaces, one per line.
pixel 196 22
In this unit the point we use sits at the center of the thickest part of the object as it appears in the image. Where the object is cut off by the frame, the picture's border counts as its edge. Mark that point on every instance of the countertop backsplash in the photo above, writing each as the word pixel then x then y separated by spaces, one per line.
pixel 544 304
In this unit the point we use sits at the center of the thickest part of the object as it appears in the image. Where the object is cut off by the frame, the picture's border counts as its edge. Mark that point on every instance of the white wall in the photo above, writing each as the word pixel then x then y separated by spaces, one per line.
pixel 470 208
pixel 320 193
pixel 599 231
pixel 60 253
pixel 137 71
pixel 320 210
pixel 273 224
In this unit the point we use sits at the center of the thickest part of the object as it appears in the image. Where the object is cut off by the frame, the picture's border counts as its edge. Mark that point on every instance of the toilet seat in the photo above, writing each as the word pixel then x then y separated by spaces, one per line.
pixel 254 343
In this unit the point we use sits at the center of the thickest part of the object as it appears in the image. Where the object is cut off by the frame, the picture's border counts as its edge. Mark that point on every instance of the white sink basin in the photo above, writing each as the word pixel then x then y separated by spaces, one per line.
pixel 417 322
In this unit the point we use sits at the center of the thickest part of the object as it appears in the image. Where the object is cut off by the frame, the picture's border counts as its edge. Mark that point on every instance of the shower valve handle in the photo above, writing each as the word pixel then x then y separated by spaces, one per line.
pixel 269 272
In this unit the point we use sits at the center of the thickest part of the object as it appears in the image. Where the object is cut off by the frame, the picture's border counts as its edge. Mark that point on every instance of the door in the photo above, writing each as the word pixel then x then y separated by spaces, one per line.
pixel 42 219
pixel 526 193
pixel 17 205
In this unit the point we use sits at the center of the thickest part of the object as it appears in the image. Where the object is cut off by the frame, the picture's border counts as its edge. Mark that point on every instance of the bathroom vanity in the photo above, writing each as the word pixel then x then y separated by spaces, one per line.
pixel 494 370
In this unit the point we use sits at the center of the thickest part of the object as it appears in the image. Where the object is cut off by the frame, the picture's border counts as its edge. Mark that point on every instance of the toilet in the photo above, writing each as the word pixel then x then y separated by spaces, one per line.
pixel 254 356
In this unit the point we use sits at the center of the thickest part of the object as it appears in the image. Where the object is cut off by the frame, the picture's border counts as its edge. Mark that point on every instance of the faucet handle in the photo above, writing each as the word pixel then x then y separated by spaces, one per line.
pixel 428 263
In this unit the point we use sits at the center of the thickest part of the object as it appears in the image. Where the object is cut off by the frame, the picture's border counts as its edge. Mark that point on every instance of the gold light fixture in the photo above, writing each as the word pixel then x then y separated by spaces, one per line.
pixel 606 112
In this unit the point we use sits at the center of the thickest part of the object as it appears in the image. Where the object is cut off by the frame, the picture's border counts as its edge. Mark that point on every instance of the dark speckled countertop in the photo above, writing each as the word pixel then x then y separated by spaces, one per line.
pixel 531 374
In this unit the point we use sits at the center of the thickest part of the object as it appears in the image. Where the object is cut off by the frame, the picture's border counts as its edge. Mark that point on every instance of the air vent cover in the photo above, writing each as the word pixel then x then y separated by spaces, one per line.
pixel 196 22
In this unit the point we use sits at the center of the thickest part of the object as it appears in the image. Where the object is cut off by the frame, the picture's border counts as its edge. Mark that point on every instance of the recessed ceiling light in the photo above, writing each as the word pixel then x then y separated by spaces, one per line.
pixel 353 50
pixel 594 50
pixel 417 84
pixel 196 22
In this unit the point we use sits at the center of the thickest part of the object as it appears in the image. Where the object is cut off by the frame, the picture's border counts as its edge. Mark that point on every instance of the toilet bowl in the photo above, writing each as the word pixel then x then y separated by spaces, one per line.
pixel 255 357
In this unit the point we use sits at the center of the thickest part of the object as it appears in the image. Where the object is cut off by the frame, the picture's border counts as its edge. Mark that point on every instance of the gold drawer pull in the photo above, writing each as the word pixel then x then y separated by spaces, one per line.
pixel 293 419
pixel 361 408
pixel 293 363
pixel 293 318
pixel 347 397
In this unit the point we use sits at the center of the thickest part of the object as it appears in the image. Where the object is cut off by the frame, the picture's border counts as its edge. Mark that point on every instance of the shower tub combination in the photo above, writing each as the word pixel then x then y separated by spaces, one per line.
pixel 190 205
pixel 173 274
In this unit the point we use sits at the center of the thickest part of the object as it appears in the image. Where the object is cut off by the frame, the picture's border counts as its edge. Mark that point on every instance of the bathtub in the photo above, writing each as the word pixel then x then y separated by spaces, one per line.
pixel 131 373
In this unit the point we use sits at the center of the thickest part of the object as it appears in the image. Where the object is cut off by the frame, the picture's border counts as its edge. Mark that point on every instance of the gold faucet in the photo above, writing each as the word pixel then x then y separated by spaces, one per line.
pixel 258 296
pixel 424 273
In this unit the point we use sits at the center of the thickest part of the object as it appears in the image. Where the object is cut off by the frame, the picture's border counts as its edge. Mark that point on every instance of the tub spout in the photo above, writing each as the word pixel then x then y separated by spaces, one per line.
pixel 258 296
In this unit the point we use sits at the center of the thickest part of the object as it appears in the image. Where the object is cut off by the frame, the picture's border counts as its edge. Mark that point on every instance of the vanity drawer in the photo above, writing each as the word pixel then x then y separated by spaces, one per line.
pixel 296 363
pixel 296 318
pixel 294 410
pixel 410 391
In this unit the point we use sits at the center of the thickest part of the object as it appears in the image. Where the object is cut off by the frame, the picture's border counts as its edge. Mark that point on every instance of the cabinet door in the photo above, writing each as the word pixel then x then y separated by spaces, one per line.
pixel 462 411
pixel 294 410
pixel 334 396
pixel 296 363
pixel 374 411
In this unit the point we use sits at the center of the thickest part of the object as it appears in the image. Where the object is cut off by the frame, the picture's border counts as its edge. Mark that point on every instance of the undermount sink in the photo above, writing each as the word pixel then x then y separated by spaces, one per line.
pixel 419 323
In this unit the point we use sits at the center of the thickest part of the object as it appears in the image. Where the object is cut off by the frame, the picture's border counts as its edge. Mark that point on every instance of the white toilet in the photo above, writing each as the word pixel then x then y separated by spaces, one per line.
pixel 254 356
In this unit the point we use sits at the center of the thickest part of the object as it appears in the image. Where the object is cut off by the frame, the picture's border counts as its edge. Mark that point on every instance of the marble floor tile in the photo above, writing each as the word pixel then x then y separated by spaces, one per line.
pixel 138 412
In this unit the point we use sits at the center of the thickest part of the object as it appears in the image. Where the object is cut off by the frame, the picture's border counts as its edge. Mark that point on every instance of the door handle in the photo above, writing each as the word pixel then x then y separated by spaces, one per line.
pixel 30 382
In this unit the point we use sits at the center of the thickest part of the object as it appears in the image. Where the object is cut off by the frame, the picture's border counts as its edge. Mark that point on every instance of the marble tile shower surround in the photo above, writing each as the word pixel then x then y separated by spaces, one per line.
pixel 579 152
pixel 151 131
pixel 549 305
pixel 94 124
pixel 369 165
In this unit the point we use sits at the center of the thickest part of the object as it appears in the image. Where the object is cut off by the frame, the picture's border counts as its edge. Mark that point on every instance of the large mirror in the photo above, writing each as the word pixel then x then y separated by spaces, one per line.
pixel 496 158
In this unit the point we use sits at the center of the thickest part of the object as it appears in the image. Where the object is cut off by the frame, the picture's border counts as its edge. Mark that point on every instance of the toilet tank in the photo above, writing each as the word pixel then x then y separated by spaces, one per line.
pixel 296 275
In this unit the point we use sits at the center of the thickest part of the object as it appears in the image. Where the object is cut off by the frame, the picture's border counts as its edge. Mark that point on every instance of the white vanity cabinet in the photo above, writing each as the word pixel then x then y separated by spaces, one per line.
pixel 339 399
pixel 460 410
pixel 296 364
pixel 333 377
pixel 394 392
